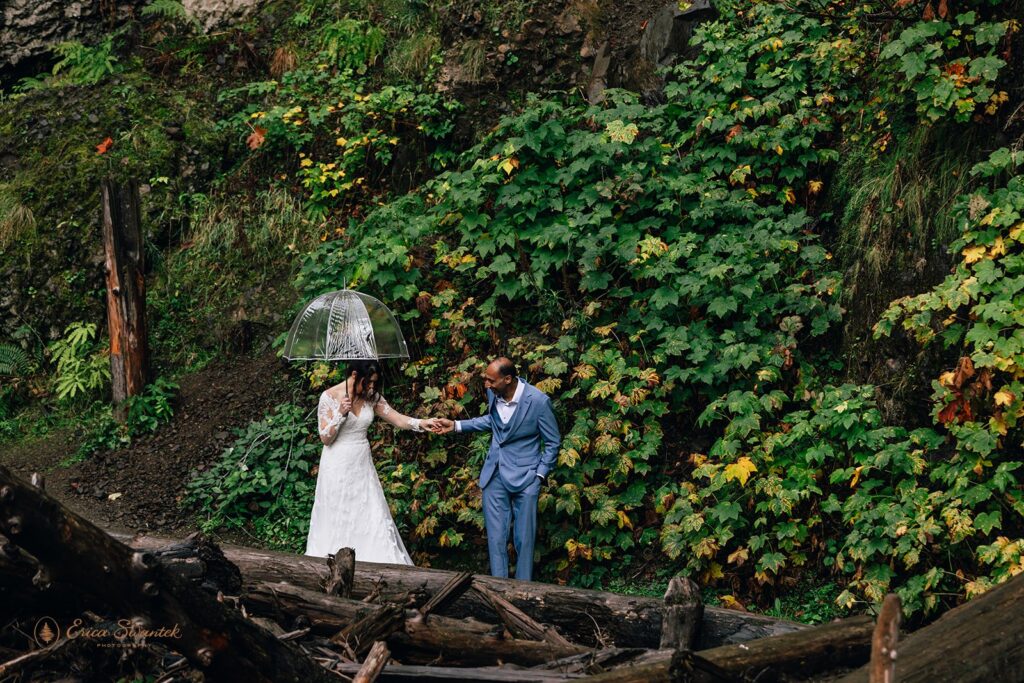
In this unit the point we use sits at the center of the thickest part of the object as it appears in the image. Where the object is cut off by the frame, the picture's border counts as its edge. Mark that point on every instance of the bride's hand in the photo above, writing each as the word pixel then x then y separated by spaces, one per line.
pixel 430 424
pixel 345 405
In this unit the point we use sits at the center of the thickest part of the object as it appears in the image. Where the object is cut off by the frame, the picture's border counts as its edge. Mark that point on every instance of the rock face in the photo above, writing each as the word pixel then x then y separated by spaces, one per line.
pixel 213 14
pixel 29 29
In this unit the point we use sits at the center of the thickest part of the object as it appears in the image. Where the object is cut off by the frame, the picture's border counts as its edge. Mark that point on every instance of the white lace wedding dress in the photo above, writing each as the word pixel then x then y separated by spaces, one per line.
pixel 349 510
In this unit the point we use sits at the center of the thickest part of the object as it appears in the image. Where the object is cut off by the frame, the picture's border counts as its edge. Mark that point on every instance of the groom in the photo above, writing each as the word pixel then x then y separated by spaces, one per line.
pixel 524 443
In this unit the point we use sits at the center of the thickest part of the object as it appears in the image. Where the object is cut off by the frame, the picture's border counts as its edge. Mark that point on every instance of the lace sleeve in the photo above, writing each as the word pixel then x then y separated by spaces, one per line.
pixel 385 411
pixel 329 418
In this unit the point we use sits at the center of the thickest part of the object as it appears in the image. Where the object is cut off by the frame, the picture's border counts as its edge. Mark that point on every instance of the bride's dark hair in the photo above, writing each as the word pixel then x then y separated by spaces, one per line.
pixel 365 369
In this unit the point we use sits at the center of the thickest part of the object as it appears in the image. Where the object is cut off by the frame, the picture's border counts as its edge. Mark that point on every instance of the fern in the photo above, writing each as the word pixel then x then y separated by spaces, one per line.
pixel 14 362
pixel 171 10
pixel 84 64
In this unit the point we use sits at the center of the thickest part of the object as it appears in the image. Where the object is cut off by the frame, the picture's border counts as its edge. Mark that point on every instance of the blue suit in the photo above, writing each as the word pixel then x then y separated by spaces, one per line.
pixel 520 451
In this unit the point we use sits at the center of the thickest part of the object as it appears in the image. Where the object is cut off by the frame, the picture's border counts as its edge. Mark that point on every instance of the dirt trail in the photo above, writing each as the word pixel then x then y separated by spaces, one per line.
pixel 151 474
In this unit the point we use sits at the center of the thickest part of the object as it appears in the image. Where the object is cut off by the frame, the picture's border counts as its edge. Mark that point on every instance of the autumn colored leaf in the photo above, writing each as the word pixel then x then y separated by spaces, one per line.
pixel 964 371
pixel 104 146
pixel 929 12
pixel 943 9
pixel 972 254
pixel 255 141
pixel 738 557
pixel 730 602
pixel 740 470
pixel 733 132
pixel 1004 397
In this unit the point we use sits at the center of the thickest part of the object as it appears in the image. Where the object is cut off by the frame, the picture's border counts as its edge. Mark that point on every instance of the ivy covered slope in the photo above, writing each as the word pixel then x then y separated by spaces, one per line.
pixel 659 272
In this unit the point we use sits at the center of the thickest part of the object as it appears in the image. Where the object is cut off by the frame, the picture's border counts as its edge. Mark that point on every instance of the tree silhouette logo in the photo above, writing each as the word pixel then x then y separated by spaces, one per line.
pixel 47 632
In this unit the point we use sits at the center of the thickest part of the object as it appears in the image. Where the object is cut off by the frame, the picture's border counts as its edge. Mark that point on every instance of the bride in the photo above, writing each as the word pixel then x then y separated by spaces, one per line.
pixel 349 509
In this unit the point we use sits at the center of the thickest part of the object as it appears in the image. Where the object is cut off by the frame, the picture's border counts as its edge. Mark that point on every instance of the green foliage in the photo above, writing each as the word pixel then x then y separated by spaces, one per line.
pixel 83 365
pixel 263 482
pixel 352 43
pixel 14 361
pixel 152 407
pixel 950 67
pixel 81 64
pixel 170 10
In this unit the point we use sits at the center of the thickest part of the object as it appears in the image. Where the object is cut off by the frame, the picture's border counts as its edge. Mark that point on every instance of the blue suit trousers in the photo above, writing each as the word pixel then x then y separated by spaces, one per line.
pixel 504 508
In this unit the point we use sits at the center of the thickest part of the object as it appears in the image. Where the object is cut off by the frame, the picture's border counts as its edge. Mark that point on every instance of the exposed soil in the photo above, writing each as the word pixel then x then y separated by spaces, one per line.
pixel 151 474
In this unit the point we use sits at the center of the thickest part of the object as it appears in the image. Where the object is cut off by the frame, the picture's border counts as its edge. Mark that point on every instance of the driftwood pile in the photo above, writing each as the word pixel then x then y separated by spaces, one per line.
pixel 189 610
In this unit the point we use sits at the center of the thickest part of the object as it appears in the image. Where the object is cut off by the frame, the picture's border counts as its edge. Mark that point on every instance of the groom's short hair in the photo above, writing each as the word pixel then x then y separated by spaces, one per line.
pixel 506 367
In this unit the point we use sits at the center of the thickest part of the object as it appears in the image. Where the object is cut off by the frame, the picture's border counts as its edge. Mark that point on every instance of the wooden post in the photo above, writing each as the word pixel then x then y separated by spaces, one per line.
pixel 683 613
pixel 343 570
pixel 126 290
pixel 883 642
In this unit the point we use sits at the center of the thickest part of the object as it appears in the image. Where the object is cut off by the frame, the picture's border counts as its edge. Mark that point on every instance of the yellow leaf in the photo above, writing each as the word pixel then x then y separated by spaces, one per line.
pixel 998 249
pixel 730 602
pixel 778 149
pixel 972 254
pixel 713 573
pixel 814 187
pixel 605 330
pixel 856 476
pixel 1004 397
pixel 738 557
pixel 509 165
pixel 1016 230
pixel 946 378
pixel 790 196
pixel 740 470
pixel 624 520
pixel 568 457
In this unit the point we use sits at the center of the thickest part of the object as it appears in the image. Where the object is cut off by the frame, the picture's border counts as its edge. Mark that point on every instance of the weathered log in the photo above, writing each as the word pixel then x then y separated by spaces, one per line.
pixel 980 641
pixel 451 592
pixel 215 638
pixel 684 611
pixel 668 666
pixel 579 614
pixel 596 661
pixel 841 643
pixel 459 641
pixel 373 664
pixel 883 642
pixel 378 624
pixel 405 673
pixel 518 622
pixel 342 566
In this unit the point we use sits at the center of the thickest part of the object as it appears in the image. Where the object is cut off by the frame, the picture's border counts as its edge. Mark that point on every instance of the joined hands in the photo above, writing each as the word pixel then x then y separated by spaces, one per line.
pixel 438 425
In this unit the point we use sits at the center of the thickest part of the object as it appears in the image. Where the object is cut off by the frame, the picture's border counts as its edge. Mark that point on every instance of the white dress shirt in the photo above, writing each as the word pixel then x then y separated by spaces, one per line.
pixel 505 408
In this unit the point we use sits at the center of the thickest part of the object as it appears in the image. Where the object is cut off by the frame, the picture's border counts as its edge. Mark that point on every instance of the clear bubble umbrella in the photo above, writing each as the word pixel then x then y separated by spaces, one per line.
pixel 345 325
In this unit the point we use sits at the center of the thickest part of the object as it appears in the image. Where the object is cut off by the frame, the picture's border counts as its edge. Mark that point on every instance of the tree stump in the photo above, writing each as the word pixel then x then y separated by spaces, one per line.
pixel 684 610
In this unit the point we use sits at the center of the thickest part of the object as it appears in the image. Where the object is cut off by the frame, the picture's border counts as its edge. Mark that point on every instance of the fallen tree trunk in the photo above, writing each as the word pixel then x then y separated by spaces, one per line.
pixel 213 637
pixel 584 616
pixel 978 642
pixel 464 642
pixel 404 673
pixel 841 643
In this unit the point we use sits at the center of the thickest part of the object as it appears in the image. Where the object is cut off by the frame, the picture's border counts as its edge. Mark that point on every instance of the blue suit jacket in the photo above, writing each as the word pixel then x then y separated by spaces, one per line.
pixel 528 448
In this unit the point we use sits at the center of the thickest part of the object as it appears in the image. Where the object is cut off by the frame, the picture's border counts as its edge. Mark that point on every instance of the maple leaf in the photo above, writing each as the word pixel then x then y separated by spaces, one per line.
pixel 733 132
pixel 104 146
pixel 738 557
pixel 740 470
pixel 1004 397
pixel 972 254
pixel 929 12
pixel 255 141
pixel 964 371
pixel 943 9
